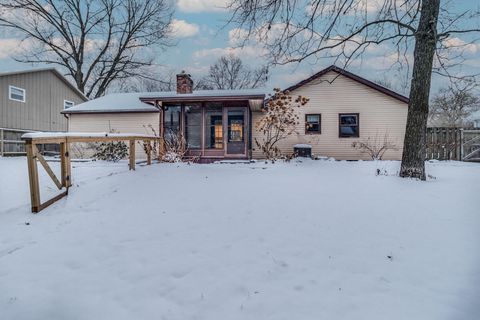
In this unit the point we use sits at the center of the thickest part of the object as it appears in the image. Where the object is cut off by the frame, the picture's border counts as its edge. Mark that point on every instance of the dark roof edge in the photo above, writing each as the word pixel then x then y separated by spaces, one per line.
pixel 202 98
pixel 110 111
pixel 354 77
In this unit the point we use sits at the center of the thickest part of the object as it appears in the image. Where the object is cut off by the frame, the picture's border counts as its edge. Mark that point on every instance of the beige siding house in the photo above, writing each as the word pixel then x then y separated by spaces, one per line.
pixel 32 100
pixel 220 124
pixel 334 92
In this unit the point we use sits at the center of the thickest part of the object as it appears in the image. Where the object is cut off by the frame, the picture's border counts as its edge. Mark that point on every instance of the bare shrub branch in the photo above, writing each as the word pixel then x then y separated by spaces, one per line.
pixel 278 122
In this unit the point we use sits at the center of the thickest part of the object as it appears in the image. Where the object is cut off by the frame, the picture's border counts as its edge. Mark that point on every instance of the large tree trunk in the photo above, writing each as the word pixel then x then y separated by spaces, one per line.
pixel 413 159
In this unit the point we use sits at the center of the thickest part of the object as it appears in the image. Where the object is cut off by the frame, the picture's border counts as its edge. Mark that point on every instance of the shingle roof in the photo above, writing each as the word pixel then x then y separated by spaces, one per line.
pixel 134 102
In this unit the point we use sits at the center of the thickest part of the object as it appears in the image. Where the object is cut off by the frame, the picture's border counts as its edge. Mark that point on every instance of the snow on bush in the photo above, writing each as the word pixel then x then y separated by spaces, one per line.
pixel 111 151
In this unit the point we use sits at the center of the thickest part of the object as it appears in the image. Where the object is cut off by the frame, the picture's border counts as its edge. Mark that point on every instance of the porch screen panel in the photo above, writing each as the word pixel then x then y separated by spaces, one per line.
pixel 214 126
pixel 171 122
pixel 193 126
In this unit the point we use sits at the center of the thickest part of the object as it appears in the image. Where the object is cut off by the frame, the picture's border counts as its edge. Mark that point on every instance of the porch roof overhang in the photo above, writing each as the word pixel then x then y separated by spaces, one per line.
pixel 255 99
pixel 149 101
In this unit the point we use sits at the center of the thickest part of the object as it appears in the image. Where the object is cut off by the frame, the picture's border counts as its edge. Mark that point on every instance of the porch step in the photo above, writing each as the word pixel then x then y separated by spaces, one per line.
pixel 234 161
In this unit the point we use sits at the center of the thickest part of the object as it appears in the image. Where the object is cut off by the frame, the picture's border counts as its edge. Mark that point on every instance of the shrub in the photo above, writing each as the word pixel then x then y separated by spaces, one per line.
pixel 278 123
pixel 375 147
pixel 111 151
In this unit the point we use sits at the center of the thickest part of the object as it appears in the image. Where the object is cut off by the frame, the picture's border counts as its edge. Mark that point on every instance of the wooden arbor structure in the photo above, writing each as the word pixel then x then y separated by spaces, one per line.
pixel 64 140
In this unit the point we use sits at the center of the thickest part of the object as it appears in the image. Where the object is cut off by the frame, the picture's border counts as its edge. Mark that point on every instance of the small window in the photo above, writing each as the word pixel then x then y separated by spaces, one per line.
pixel 349 125
pixel 312 123
pixel 16 94
pixel 67 104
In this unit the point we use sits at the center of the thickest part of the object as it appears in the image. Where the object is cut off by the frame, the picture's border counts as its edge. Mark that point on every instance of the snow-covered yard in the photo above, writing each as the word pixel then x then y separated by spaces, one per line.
pixel 311 240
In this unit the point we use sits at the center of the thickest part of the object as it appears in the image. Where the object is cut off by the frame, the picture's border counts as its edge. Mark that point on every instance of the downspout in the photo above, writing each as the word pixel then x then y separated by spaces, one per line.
pixel 68 121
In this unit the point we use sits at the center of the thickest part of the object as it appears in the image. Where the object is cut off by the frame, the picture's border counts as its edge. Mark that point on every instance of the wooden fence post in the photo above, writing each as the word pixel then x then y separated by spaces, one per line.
pixel 149 151
pixel 2 145
pixel 65 164
pixel 33 176
pixel 132 155
pixel 68 164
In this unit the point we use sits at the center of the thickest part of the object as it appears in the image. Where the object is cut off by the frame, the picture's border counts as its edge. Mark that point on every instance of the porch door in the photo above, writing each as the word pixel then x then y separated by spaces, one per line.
pixel 236 132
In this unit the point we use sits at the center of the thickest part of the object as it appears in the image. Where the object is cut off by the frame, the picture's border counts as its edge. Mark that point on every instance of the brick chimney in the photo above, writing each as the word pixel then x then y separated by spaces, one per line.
pixel 184 83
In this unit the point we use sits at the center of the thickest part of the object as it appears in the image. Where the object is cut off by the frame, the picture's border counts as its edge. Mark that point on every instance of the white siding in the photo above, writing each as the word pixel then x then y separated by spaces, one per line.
pixel 120 122
pixel 379 114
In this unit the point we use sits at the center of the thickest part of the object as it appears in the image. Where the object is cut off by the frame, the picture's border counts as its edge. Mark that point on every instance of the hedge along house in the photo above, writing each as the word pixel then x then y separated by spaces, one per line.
pixel 216 124
pixel 220 124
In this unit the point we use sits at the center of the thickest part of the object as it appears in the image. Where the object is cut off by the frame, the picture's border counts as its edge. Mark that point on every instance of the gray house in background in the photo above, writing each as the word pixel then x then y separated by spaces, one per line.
pixel 32 100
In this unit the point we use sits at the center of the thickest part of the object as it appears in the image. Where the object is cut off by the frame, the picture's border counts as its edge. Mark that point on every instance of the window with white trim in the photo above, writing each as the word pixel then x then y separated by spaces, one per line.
pixel 68 104
pixel 16 94
pixel 349 126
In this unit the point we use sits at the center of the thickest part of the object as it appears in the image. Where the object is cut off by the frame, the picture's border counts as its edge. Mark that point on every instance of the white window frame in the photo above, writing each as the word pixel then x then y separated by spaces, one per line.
pixel 68 101
pixel 16 88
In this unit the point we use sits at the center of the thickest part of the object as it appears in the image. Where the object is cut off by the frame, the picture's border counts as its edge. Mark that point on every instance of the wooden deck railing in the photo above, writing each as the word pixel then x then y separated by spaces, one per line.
pixel 64 140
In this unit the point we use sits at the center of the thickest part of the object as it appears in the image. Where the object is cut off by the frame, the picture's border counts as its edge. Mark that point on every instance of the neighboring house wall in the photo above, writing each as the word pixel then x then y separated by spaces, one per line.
pixel 120 122
pixel 379 114
pixel 45 93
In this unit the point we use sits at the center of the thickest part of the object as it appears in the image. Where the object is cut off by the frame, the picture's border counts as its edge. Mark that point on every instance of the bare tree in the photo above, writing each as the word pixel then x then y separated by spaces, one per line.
pixel 229 72
pixel 150 83
pixel 344 29
pixel 452 106
pixel 96 42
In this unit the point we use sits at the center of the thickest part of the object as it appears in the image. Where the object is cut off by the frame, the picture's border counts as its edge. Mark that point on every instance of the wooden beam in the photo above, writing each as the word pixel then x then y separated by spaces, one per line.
pixel 54 199
pixel 132 154
pixel 57 140
pixel 149 152
pixel 2 145
pixel 63 168
pixel 33 176
pixel 47 168
pixel 68 165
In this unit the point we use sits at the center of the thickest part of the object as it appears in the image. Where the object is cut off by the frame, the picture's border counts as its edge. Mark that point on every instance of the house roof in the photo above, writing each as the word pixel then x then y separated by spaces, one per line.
pixel 354 77
pixel 142 101
pixel 116 102
pixel 52 69
pixel 204 95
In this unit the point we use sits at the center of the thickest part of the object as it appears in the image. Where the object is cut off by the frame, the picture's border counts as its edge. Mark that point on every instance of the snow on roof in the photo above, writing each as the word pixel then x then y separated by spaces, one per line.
pixel 117 102
pixel 37 135
pixel 206 93
pixel 130 102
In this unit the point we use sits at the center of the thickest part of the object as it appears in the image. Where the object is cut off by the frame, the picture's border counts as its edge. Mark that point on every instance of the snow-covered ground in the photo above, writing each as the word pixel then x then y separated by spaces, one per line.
pixel 311 240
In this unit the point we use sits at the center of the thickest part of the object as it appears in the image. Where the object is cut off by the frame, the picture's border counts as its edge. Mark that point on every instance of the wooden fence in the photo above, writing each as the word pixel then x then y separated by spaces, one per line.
pixel 63 140
pixel 453 144
pixel 11 143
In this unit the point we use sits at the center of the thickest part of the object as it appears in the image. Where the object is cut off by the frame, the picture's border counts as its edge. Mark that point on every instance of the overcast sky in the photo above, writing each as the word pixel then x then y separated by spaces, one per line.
pixel 202 36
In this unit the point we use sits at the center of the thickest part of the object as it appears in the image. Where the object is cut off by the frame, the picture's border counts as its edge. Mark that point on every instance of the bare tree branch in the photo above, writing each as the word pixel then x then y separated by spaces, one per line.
pixel 229 72
pixel 96 42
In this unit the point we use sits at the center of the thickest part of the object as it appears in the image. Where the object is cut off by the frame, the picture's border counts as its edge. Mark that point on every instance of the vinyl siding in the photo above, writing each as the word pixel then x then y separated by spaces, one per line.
pixel 379 115
pixel 45 94
pixel 120 122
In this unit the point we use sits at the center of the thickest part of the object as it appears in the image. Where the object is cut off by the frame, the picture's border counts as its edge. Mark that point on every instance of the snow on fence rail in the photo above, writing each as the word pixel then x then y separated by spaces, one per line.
pixel 64 139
